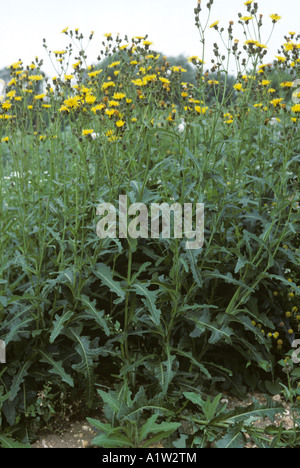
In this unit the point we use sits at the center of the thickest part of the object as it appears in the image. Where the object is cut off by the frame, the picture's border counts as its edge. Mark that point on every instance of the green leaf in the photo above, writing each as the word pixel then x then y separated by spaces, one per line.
pixel 115 440
pixel 7 442
pixel 232 439
pixel 162 431
pixel 147 427
pixel 18 380
pixel 85 366
pixel 112 402
pixel 194 361
pixel 104 273
pixel 58 324
pixel 95 314
pixel 149 301
pixel 57 368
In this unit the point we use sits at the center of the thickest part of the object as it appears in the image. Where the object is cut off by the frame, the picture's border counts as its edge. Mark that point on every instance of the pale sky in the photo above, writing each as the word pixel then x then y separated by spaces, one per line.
pixel 169 24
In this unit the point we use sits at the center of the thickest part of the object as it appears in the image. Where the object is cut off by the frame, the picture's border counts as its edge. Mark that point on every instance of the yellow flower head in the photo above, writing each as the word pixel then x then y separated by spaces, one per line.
pixel 40 96
pixel 215 24
pixel 87 131
pixel 238 86
pixel 147 43
pixel 296 108
pixel 247 18
pixel 275 17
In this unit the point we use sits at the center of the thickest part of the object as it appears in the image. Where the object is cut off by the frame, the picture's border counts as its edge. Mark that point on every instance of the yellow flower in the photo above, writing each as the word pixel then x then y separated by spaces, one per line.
pixel 12 82
pixel 238 87
pixel 265 82
pixel 69 77
pixel 72 102
pixel 59 52
pixel 201 110
pixel 195 58
pixel 94 73
pixel 99 107
pixel 15 65
pixel 89 99
pixel 261 46
pixel 215 24
pixel 138 82
pixel 36 77
pixel 147 43
pixel 87 131
pixel 4 140
pixel 107 85
pixel 247 18
pixel 165 80
pixel 276 102
pixel 107 35
pixel 39 96
pixel 114 64
pixel 119 96
pixel 11 94
pixel 110 112
pixel 120 123
pixel 296 108
pixel 6 105
pixel 275 17
pixel 62 109
pixel 65 30
pixel 280 58
pixel 286 84
pixel 113 103
pixel 112 136
pixel 289 46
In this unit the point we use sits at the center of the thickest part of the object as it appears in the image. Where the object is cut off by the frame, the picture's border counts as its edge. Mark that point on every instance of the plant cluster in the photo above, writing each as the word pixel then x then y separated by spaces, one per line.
pixel 157 326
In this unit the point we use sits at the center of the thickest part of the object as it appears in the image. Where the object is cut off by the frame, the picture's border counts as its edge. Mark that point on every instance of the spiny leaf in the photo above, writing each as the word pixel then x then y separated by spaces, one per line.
pixel 95 314
pixel 149 301
pixel 103 272
pixel 232 439
pixel 112 402
pixel 18 379
pixel 58 324
pixel 57 368
pixel 86 364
